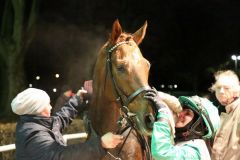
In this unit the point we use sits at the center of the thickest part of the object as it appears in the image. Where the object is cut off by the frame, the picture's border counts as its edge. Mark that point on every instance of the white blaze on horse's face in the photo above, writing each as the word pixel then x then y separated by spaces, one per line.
pixel 138 58
pixel 136 55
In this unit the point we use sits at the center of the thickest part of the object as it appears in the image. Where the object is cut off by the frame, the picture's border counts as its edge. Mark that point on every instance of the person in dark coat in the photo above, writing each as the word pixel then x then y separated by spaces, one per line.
pixel 39 135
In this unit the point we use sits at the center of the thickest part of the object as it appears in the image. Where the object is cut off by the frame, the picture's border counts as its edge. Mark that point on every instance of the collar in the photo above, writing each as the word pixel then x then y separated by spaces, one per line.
pixel 44 121
pixel 231 107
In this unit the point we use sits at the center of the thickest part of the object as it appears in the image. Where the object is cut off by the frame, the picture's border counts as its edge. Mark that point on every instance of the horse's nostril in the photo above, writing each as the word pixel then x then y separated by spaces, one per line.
pixel 149 120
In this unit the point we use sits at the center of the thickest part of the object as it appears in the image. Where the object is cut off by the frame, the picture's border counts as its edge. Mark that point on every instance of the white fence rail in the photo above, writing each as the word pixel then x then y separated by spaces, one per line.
pixel 66 137
pixel 7 147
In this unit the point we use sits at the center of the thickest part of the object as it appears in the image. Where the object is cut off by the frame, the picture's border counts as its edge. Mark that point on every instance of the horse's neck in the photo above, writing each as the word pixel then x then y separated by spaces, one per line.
pixel 104 115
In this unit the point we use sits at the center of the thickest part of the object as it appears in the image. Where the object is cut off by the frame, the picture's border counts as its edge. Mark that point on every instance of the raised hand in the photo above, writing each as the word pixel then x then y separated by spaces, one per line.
pixel 153 96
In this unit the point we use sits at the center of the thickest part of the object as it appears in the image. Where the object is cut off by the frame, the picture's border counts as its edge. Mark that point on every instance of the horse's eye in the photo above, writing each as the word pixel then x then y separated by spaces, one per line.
pixel 121 68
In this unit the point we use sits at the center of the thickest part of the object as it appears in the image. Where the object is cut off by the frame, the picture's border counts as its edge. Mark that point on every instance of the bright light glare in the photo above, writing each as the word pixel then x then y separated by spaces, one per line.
pixel 54 89
pixel 37 77
pixel 175 86
pixel 30 85
pixel 57 75
pixel 234 57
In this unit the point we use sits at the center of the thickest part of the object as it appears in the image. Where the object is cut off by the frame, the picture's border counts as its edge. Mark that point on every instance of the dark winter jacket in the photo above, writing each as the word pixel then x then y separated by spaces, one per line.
pixel 40 138
pixel 61 100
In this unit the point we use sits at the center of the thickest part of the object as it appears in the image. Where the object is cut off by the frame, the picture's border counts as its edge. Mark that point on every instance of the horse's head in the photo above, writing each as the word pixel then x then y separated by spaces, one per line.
pixel 121 75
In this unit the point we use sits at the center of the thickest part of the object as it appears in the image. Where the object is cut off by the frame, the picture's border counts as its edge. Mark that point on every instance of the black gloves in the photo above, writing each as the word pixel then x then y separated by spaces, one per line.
pixel 153 96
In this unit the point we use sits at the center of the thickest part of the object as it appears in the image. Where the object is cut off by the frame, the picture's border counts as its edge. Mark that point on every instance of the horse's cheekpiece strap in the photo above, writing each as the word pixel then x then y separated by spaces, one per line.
pixel 116 45
pixel 137 92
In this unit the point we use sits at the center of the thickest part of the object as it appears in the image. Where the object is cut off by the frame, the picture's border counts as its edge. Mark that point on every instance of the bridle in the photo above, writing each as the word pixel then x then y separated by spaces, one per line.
pixel 121 97
pixel 124 101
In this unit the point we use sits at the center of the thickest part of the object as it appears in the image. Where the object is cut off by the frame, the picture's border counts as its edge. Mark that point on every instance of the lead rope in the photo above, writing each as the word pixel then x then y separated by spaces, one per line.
pixel 144 144
pixel 120 150
pixel 124 116
pixel 124 141
pixel 146 148
pixel 117 158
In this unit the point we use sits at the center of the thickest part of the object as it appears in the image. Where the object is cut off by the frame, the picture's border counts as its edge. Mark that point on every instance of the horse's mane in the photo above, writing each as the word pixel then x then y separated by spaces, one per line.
pixel 99 104
pixel 100 74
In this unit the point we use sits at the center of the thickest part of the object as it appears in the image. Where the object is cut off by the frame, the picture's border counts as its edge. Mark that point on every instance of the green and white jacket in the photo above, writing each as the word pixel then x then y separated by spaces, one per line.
pixel 163 147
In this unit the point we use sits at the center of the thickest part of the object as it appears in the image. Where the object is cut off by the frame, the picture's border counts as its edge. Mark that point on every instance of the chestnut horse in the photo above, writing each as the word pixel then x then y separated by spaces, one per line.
pixel 119 82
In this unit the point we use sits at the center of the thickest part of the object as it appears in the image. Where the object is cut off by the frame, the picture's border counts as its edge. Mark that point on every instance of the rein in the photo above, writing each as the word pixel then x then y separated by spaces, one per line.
pixel 125 101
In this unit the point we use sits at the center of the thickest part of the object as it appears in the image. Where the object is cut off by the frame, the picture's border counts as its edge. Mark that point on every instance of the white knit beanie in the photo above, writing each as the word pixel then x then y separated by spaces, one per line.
pixel 30 101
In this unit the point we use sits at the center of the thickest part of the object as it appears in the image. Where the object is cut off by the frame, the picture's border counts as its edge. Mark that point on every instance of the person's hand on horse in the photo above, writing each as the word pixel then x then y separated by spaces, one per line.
pixel 110 140
pixel 81 92
pixel 153 96
pixel 68 93
pixel 89 88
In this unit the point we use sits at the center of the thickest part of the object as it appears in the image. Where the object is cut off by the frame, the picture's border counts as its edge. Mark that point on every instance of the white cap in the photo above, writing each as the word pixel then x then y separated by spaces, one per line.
pixel 30 101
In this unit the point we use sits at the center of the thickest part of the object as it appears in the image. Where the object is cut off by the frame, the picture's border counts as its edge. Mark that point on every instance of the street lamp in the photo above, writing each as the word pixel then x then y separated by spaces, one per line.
pixel 236 58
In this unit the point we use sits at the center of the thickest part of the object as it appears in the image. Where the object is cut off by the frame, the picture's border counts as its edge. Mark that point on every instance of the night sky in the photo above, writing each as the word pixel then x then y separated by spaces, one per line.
pixel 185 41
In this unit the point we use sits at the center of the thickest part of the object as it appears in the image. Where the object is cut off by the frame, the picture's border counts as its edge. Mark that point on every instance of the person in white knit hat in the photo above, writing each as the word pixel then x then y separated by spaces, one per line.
pixel 39 135
pixel 31 101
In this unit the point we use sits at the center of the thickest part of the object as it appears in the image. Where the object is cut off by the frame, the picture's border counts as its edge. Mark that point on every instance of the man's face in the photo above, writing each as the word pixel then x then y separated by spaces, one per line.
pixel 184 117
pixel 225 91
pixel 47 111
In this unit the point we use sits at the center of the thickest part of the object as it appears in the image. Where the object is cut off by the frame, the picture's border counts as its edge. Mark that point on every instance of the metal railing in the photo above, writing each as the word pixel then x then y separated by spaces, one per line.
pixel 66 137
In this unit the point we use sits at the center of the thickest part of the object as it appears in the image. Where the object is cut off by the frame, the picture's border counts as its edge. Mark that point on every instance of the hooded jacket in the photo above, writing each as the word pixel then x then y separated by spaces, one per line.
pixel 40 138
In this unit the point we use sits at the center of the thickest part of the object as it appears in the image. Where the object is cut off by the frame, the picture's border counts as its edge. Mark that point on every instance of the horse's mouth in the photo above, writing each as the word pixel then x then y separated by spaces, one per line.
pixel 149 120
pixel 145 127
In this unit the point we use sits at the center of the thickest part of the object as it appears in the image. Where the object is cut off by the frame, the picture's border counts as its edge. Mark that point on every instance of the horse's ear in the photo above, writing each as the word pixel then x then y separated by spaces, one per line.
pixel 140 34
pixel 116 31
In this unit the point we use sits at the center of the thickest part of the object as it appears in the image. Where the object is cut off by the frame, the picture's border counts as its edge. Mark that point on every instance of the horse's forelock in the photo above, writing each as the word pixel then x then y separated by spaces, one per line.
pixel 124 36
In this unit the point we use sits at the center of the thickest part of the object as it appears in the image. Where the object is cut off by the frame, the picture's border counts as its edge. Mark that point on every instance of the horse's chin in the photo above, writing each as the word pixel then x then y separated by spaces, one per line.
pixel 145 131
